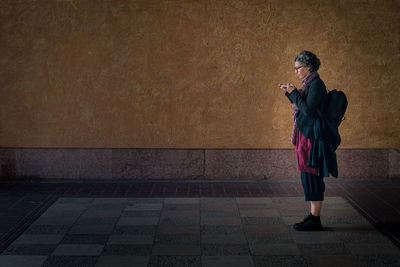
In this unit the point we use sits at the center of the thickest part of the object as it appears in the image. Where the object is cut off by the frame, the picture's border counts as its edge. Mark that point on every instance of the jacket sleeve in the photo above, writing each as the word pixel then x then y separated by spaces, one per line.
pixel 310 104
pixel 287 94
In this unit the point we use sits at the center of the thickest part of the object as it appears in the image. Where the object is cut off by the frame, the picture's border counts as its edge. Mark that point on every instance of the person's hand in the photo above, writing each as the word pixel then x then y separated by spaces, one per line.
pixel 287 87
pixel 290 87
pixel 282 86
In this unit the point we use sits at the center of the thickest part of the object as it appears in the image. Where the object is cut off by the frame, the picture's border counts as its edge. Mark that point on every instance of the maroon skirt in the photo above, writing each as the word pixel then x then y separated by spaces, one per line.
pixel 303 146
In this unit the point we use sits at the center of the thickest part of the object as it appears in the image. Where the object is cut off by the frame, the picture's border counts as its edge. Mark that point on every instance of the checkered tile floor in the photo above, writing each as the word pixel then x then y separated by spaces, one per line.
pixel 201 231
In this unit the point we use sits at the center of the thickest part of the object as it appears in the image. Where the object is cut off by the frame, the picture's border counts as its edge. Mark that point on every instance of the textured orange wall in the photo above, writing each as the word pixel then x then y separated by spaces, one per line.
pixel 190 74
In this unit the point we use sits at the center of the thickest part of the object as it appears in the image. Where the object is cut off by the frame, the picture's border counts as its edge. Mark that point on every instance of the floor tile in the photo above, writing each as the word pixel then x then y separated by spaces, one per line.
pixel 135 229
pixel 289 200
pixel 130 239
pixel 221 229
pixel 141 213
pixel 336 200
pixel 313 237
pixel 259 213
pixel 177 239
pixel 266 228
pixel 256 206
pixel 224 249
pixel 22 261
pixel 176 249
pixel 59 218
pixel 38 239
pixel 181 220
pixel 373 249
pixel 94 229
pixel 30 249
pixel 36 229
pixel 296 213
pixel 67 208
pixel 337 206
pixel 181 207
pixel 227 261
pixel 78 250
pixel 109 202
pixel 332 220
pixel 182 200
pixel 127 250
pixel 236 238
pixel 333 261
pixel 145 200
pixel 219 213
pixel 358 238
pixel 180 213
pixel 85 239
pixel 219 206
pixel 340 212
pixel 270 238
pixel 70 261
pixel 102 213
pixel 274 249
pixel 179 229
pixel 355 228
pixel 280 260
pixel 123 261
pixel 175 261
pixel 138 221
pixel 262 220
pixel 380 260
pixel 218 200
pixel 95 220
pixel 253 201
pixel 73 200
pixel 143 206
pixel 221 221
pixel 324 249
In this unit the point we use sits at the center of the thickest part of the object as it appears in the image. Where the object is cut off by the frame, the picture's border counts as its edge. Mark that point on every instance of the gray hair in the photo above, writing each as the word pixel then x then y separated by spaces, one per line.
pixel 308 59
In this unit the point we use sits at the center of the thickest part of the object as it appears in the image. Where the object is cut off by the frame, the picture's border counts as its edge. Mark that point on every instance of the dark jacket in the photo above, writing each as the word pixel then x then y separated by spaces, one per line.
pixel 322 154
pixel 310 121
pixel 313 98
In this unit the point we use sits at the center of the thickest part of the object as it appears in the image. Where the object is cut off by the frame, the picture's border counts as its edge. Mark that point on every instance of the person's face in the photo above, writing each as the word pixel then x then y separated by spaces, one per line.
pixel 300 70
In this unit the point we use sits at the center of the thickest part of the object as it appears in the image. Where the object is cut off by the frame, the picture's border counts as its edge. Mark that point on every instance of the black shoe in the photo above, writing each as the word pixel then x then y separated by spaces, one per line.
pixel 310 223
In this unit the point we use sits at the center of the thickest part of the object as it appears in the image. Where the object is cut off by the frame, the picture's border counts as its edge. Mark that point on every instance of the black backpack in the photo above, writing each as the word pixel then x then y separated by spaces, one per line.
pixel 336 106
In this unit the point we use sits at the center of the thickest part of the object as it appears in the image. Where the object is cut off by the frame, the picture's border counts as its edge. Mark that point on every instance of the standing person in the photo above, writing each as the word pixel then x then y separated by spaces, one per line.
pixel 307 103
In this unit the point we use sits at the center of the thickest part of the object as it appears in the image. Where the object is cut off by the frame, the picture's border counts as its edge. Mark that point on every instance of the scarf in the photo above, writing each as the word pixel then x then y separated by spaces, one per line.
pixel 306 80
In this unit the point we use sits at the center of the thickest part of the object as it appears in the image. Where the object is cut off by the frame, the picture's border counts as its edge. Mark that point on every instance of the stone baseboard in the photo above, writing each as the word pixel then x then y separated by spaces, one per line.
pixel 80 163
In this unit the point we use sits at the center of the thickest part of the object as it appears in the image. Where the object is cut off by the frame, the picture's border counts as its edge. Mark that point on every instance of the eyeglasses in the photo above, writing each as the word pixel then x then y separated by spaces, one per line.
pixel 297 68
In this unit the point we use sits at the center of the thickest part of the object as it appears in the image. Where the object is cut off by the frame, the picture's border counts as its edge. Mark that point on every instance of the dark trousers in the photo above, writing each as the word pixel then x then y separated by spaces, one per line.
pixel 313 185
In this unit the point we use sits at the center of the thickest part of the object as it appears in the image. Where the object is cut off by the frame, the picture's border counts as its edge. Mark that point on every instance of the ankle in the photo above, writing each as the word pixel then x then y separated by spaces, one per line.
pixel 315 214
pixel 315 218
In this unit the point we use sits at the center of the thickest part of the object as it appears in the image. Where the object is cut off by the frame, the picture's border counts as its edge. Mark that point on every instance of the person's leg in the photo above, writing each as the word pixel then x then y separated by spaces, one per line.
pixel 314 188
pixel 316 199
pixel 316 208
